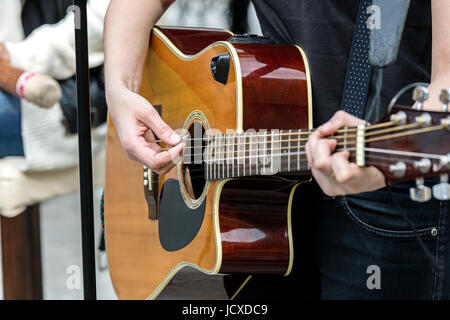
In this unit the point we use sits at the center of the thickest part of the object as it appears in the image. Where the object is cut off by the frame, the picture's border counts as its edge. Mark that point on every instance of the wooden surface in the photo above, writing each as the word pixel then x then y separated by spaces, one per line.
pixel 275 92
pixel 138 263
pixel 21 256
pixel 194 285
pixel 434 143
pixel 254 225
pixel 192 40
pixel 140 268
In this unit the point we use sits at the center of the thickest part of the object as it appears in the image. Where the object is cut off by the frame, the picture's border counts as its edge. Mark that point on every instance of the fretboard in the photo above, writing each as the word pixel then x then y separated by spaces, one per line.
pixel 382 145
pixel 253 153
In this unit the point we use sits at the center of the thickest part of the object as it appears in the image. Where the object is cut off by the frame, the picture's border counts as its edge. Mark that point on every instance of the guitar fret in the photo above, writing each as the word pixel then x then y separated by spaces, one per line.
pixel 298 149
pixel 271 152
pixel 256 152
pixel 206 158
pixel 228 154
pixel 250 154
pixel 345 138
pixel 233 145
pixel 237 156
pixel 276 151
pixel 289 151
pixel 252 150
pixel 215 158
pixel 206 162
pixel 265 152
pixel 244 147
pixel 211 158
pixel 222 149
pixel 218 157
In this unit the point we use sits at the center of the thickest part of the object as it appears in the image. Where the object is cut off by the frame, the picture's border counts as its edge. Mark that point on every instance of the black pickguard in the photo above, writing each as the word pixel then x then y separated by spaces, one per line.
pixel 177 223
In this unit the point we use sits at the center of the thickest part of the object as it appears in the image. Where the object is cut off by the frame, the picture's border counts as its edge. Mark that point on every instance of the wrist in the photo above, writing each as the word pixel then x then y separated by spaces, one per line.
pixel 439 82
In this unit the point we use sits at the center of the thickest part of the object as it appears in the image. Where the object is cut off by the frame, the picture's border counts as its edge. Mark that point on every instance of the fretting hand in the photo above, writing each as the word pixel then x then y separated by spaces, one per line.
pixel 333 171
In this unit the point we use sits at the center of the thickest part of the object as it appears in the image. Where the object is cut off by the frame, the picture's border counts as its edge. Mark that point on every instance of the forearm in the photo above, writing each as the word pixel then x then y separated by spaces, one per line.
pixel 127 29
pixel 440 68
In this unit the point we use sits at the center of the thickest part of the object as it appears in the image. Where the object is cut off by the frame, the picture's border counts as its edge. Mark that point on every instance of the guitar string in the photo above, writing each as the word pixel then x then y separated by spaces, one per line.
pixel 375 150
pixel 386 151
pixel 349 149
pixel 228 145
pixel 369 157
pixel 304 132
pixel 339 143
pixel 220 139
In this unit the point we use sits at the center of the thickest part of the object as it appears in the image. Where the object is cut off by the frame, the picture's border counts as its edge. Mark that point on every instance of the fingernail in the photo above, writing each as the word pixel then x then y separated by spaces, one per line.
pixel 175 138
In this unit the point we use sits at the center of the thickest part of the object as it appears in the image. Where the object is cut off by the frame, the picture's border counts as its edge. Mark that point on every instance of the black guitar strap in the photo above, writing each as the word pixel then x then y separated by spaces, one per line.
pixel 359 69
pixel 376 39
pixel 385 41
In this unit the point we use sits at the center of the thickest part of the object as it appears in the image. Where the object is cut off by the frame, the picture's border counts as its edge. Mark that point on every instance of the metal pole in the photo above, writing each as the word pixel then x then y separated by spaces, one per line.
pixel 84 149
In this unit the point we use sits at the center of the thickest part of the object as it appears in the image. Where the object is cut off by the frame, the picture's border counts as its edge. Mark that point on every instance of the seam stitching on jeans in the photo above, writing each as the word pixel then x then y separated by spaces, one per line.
pixel 382 232
pixel 438 271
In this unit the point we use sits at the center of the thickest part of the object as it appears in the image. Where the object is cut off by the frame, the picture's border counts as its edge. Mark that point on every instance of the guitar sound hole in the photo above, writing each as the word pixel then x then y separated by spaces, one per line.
pixel 193 175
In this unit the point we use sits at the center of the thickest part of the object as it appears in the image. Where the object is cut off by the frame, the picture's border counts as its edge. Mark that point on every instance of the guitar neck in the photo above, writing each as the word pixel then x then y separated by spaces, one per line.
pixel 401 148
pixel 264 153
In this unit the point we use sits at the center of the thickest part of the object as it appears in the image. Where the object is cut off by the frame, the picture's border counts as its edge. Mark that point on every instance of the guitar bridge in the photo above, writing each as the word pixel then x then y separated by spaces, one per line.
pixel 151 186
pixel 151 192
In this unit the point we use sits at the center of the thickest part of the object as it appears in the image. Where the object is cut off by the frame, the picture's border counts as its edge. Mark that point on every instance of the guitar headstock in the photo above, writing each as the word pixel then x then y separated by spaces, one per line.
pixel 411 144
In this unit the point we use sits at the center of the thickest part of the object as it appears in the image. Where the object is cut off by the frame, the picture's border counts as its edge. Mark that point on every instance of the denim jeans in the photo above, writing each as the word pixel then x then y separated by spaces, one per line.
pixel 11 143
pixel 367 250
pixel 360 247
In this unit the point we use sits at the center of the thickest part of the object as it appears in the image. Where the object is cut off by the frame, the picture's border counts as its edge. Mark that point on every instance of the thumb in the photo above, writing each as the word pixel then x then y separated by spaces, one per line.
pixel 161 129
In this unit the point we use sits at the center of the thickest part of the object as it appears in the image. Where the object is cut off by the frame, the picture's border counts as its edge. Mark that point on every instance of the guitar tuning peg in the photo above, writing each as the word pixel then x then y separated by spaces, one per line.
pixel 441 191
pixel 420 95
pixel 420 193
pixel 445 99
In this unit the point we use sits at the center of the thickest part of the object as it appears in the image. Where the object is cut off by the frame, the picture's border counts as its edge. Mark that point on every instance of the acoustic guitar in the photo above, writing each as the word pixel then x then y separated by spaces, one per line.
pixel 244 108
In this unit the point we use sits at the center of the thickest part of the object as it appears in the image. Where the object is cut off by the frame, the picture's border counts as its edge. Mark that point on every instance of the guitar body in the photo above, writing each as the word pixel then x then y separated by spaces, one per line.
pixel 237 225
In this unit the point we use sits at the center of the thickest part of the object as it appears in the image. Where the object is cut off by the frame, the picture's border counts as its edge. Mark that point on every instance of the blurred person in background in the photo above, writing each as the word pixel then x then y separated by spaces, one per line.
pixel 38 36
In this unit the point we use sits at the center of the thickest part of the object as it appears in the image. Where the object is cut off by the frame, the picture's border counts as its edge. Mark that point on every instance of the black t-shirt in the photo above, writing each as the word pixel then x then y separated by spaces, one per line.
pixel 324 29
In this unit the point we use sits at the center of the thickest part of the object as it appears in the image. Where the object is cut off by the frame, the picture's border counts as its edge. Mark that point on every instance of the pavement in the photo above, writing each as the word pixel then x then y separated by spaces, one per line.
pixel 62 262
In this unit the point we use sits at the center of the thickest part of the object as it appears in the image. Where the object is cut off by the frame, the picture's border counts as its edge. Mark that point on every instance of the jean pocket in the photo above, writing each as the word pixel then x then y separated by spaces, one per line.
pixel 377 213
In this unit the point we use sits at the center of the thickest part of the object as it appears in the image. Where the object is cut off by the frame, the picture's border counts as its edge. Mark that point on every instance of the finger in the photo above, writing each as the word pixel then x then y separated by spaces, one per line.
pixel 340 119
pixel 169 157
pixel 141 152
pixel 165 169
pixel 161 129
pixel 343 170
pixel 321 155
pixel 176 153
pixel 150 138
pixel 310 146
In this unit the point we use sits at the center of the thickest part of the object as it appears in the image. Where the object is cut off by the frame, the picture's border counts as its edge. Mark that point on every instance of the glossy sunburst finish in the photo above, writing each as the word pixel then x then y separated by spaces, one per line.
pixel 140 268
